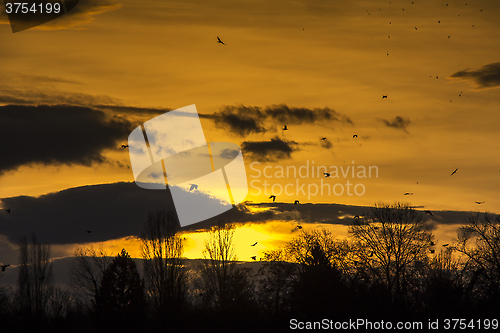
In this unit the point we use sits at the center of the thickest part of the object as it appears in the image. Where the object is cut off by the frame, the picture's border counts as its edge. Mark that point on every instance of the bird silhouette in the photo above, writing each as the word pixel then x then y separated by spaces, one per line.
pixel 355 136
pixel 323 138
pixel 408 193
pixel 384 96
pixel 8 210
pixel 124 146
pixel 285 128
pixel 479 202
pixel 254 244
pixel 254 258
pixel 272 197
pixel 193 187
pixel 454 172
pixel 439 21
pixel 445 245
pixel 4 267
pixel 432 243
pixel 449 36
pixel 415 28
pixel 299 227
pixel 327 174
pixel 428 212
pixel 296 202
pixel 388 36
pixel 432 250
pixel 219 41
pixel 89 231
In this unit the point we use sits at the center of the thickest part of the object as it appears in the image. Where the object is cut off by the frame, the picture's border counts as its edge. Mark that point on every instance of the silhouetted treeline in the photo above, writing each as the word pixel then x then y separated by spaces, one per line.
pixel 389 268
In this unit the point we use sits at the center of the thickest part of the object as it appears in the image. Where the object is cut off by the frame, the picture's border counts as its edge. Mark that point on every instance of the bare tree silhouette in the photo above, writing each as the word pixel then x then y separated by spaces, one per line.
pixel 479 242
pixel 164 272
pixel 391 244
pixel 86 273
pixel 226 287
pixel 35 280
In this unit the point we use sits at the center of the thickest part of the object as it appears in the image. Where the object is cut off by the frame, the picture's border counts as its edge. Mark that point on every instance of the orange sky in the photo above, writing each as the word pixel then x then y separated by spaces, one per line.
pixel 310 54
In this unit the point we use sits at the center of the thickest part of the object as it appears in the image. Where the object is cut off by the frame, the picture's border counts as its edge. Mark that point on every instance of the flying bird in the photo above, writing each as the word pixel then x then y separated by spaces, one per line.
pixel 454 172
pixel 285 128
pixel 323 138
pixel 445 245
pixel 388 36
pixel 89 231
pixel 428 212
pixel 416 28
pixel 355 136
pixel 219 41
pixel 254 244
pixel 272 197
pixel 479 202
pixel 327 174
pixel 8 210
pixel 408 193
pixel 385 96
pixel 449 36
pixel 432 243
pixel 254 258
pixel 193 187
pixel 4 267
pixel 432 251
pixel 124 146
pixel 296 202
pixel 299 227
pixel 439 21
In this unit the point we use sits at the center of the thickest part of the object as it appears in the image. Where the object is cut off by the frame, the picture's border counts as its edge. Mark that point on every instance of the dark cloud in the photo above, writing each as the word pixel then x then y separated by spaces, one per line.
pixel 290 115
pixel 45 79
pixel 229 154
pixel 131 109
pixel 398 122
pixel 244 120
pixel 113 211
pixel 110 211
pixel 487 76
pixel 55 135
pixel 34 97
pixel 241 120
pixel 268 151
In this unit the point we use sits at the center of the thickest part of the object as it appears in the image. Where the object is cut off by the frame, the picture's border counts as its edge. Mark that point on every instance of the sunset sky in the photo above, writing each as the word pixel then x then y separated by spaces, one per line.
pixel 73 89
